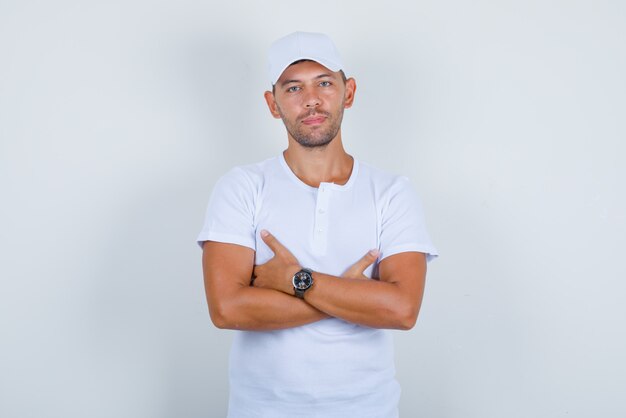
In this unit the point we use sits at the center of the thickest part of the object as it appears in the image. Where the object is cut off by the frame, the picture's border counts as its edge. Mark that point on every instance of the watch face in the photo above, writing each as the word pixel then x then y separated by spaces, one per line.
pixel 302 280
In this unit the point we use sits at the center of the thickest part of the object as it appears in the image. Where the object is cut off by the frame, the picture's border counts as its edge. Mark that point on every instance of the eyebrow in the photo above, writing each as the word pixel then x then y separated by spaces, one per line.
pixel 284 83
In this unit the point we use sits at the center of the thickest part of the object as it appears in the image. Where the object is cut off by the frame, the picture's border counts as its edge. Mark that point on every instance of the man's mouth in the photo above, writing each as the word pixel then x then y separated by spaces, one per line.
pixel 314 119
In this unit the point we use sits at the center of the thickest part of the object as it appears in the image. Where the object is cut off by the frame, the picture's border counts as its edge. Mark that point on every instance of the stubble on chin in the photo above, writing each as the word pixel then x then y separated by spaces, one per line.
pixel 314 138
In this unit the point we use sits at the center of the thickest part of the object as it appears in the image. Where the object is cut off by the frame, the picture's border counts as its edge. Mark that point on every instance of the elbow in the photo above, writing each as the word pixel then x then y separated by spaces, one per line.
pixel 407 323
pixel 406 317
pixel 229 312
pixel 220 317
pixel 219 322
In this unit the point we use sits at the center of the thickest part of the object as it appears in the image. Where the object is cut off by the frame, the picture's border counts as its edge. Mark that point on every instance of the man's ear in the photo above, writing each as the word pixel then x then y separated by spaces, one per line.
pixel 350 92
pixel 271 104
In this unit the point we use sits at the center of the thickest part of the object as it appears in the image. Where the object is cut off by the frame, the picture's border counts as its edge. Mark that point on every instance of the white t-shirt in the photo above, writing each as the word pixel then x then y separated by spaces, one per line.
pixel 330 368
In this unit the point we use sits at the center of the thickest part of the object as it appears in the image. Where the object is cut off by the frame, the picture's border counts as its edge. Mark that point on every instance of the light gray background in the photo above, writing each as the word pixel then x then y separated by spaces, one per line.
pixel 117 117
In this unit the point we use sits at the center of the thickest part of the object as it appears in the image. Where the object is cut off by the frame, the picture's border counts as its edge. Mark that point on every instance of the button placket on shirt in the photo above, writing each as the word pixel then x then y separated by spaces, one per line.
pixel 320 233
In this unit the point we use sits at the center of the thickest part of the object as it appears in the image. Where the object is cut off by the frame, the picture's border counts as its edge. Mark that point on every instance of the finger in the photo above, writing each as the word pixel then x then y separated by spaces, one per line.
pixel 358 268
pixel 272 242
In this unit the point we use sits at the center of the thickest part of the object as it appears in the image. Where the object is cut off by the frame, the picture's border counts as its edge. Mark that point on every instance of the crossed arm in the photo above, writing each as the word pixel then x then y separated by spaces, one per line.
pixel 391 302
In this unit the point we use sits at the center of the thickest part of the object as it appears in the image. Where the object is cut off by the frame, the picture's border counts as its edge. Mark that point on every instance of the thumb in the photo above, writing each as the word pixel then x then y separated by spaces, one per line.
pixel 358 268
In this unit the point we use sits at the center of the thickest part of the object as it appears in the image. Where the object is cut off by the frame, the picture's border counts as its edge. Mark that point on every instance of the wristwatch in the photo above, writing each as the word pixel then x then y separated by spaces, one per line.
pixel 302 281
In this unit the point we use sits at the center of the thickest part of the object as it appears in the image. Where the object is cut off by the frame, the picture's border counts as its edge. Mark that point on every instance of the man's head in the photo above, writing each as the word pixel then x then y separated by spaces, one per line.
pixel 309 88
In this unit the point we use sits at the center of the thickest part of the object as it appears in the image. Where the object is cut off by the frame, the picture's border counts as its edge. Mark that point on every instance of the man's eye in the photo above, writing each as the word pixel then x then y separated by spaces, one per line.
pixel 325 83
pixel 293 89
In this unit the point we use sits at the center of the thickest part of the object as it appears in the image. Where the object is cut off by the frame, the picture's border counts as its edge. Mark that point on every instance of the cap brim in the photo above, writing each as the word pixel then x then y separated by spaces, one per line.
pixel 332 66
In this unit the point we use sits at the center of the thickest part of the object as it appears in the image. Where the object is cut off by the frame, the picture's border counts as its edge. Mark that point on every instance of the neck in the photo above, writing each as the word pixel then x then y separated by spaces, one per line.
pixel 328 164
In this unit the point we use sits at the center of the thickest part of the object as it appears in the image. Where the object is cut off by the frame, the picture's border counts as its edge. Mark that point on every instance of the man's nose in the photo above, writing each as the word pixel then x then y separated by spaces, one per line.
pixel 312 99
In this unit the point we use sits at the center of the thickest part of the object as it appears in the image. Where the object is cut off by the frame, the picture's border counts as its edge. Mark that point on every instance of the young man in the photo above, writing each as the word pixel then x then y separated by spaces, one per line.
pixel 313 256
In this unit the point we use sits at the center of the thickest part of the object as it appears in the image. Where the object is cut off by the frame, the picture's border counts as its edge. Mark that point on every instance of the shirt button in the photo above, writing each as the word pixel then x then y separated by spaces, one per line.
pixel 320 230
pixel 321 210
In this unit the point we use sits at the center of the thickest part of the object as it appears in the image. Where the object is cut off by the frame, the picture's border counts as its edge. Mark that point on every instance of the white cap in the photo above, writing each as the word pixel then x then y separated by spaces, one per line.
pixel 302 45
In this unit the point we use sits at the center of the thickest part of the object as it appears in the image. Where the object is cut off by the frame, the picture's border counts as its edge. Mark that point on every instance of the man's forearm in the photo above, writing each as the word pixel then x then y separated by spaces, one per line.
pixel 391 302
pixel 371 303
pixel 262 310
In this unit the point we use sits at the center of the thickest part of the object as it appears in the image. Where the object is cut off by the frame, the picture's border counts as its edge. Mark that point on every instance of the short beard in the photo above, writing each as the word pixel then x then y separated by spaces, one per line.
pixel 313 141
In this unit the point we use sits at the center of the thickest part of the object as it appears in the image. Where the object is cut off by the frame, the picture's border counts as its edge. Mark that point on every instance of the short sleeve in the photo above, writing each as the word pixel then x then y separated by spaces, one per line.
pixel 403 226
pixel 230 213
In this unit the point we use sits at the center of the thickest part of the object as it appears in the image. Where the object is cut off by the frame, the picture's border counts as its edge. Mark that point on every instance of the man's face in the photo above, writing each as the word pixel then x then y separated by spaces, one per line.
pixel 310 100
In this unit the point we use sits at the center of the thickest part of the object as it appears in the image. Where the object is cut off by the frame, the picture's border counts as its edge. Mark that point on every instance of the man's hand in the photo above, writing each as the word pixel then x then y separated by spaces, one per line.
pixel 277 272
